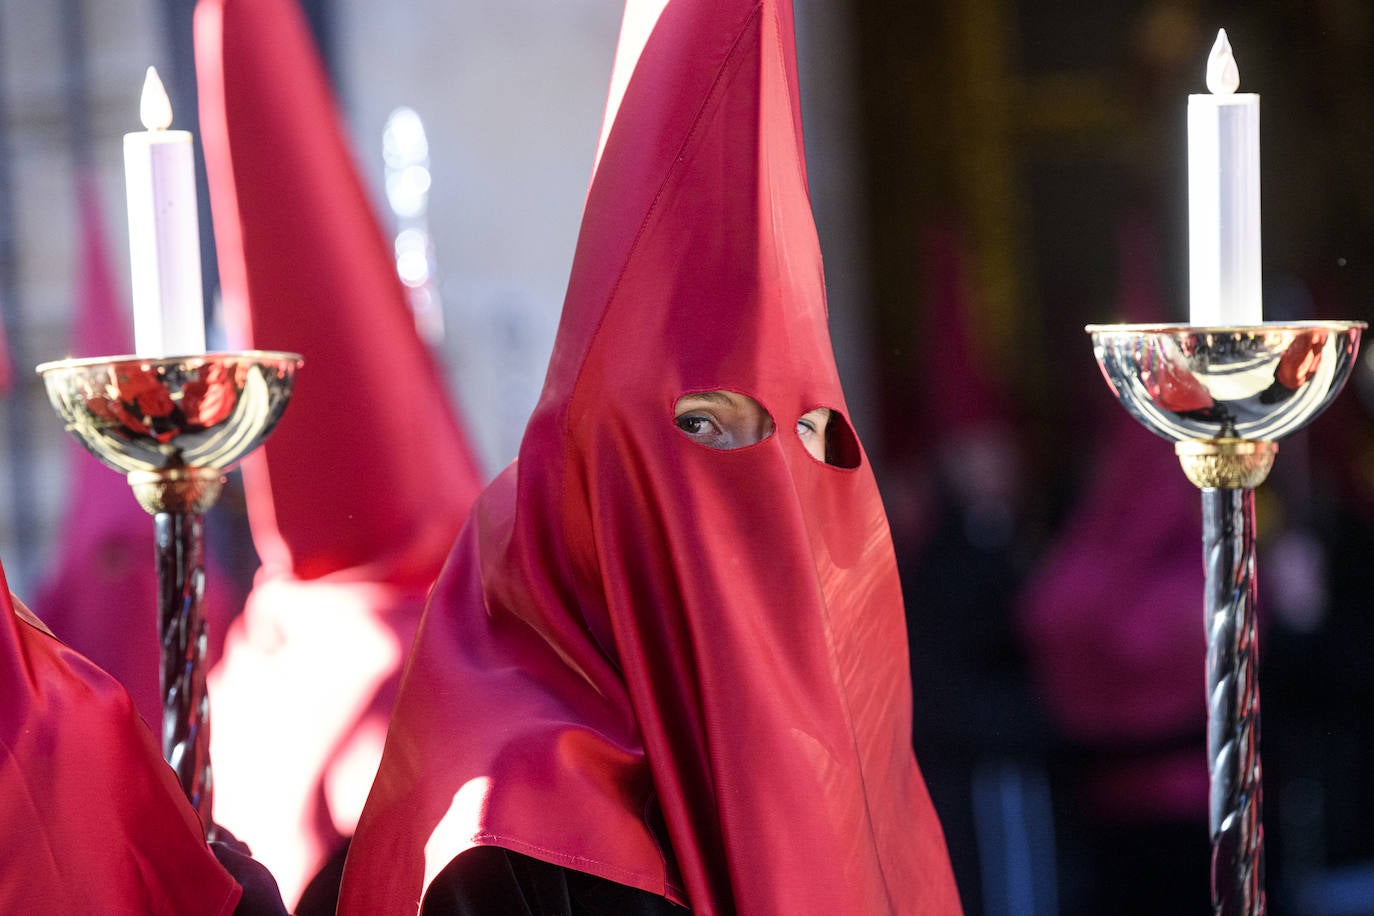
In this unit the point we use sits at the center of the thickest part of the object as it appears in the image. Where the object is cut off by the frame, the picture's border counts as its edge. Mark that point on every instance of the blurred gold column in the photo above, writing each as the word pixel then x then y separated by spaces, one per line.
pixel 1000 116
pixel 983 90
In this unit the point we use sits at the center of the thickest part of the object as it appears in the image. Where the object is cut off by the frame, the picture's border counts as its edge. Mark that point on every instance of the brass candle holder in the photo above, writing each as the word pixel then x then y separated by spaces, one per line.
pixel 1225 396
pixel 174 426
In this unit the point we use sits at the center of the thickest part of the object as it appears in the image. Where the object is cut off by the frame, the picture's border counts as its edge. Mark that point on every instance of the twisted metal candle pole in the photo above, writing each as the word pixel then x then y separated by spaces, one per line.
pixel 1225 396
pixel 1233 724
pixel 178 498
pixel 176 424
pixel 1227 470
pixel 181 626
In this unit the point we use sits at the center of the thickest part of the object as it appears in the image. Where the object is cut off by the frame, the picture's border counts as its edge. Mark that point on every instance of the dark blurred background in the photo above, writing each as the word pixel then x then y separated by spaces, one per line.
pixel 988 177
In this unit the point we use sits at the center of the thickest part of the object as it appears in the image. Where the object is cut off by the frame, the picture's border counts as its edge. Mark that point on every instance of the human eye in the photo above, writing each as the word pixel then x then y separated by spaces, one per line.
pixel 721 419
pixel 811 430
pixel 702 428
pixel 694 424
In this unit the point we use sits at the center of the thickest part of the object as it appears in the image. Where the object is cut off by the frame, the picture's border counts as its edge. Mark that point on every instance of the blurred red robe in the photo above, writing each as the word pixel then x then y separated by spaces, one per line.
pixel 357 495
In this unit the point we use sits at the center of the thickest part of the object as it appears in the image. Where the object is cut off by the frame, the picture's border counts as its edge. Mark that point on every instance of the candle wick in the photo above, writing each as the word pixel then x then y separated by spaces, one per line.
pixel 1223 76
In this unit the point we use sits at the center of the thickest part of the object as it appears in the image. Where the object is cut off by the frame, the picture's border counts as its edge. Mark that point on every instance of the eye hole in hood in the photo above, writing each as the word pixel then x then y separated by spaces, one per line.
pixel 828 437
pixel 722 419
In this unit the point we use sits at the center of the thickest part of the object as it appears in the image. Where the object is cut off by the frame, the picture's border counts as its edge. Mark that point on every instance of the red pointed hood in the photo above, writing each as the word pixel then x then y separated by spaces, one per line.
pixel 356 497
pixel 96 821
pixel 679 668
pixel 368 470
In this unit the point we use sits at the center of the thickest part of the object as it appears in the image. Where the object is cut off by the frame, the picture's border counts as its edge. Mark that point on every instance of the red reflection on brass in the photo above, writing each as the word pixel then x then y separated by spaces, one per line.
pixel 1173 387
pixel 139 400
pixel 145 389
pixel 100 406
pixel 125 417
pixel 1301 360
pixel 211 397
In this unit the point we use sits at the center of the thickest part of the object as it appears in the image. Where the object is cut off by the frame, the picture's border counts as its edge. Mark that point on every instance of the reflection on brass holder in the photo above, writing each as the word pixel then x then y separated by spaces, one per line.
pixel 174 426
pixel 1225 396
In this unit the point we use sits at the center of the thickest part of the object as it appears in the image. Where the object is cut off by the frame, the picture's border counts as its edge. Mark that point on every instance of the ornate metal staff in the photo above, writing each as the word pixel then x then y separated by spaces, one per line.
pixel 1225 396
pixel 174 425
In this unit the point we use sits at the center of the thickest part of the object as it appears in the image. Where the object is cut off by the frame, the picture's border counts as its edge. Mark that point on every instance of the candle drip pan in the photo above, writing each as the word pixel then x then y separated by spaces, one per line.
pixel 1257 383
pixel 173 425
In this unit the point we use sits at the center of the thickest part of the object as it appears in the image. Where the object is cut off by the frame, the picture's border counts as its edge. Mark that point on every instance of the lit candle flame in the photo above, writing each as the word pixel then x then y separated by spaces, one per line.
pixel 1223 77
pixel 154 108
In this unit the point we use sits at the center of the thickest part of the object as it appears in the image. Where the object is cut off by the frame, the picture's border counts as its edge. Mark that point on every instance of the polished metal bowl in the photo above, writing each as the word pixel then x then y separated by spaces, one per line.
pixel 1258 383
pixel 159 415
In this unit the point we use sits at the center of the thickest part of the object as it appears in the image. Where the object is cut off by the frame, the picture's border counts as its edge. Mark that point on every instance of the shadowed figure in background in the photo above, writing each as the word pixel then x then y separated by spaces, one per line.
pixel 1316 683
pixel 980 731
pixel 1114 627
pixel 355 499
pixel 666 662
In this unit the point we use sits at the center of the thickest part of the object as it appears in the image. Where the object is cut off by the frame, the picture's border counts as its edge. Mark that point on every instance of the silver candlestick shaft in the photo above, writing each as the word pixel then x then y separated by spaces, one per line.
pixel 1235 818
pixel 181 629
pixel 1225 396
pixel 173 426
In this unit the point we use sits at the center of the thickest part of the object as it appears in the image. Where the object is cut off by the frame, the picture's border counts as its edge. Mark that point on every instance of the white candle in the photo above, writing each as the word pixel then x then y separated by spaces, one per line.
pixel 164 231
pixel 1224 198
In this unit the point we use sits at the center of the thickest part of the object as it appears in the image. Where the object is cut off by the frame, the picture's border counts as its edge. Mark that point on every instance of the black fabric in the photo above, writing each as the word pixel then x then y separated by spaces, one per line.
pixel 491 881
pixel 261 897
pixel 321 895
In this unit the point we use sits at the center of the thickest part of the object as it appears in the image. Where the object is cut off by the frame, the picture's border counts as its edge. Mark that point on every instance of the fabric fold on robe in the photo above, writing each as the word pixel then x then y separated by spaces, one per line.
pixel 95 821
